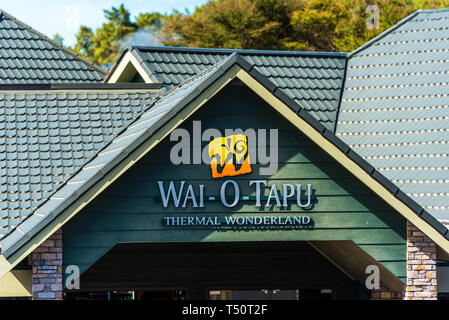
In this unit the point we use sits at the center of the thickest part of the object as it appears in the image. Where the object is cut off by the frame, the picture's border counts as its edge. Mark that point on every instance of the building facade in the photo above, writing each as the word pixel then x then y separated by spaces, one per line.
pixel 231 174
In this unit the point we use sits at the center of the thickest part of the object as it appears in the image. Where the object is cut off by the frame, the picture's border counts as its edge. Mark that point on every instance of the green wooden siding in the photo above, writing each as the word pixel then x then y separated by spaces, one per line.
pixel 130 210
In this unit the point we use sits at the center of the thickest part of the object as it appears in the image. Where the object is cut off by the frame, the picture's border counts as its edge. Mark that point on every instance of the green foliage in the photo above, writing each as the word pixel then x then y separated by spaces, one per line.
pixel 106 39
pixel 341 26
pixel 323 25
pixel 149 20
pixel 104 45
pixel 258 24
pixel 318 25
pixel 85 43
pixel 58 39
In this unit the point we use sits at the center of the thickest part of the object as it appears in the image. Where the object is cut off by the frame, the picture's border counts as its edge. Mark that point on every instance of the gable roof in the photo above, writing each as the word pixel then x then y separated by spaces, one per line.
pixel 156 123
pixel 394 109
pixel 27 56
pixel 48 132
pixel 313 79
pixel 109 156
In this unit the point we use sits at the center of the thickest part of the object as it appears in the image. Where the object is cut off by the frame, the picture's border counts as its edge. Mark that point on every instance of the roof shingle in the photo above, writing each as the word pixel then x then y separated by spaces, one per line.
pixel 298 74
pixel 394 109
pixel 140 125
pixel 27 56
pixel 46 136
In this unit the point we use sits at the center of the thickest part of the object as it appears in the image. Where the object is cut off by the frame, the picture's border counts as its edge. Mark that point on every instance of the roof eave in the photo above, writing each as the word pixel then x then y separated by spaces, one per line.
pixel 240 51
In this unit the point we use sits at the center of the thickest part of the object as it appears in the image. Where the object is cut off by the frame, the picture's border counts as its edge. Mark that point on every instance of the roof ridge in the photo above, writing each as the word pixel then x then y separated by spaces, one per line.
pixel 202 73
pixel 54 43
pixel 241 51
pixel 149 70
pixel 134 49
pixel 79 86
pixel 385 33
pixel 434 10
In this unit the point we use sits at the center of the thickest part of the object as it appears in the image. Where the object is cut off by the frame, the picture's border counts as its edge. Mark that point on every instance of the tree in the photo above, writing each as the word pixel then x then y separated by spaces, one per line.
pixel 323 25
pixel 328 25
pixel 149 20
pixel 118 25
pixel 104 45
pixel 85 42
pixel 58 39
pixel 315 25
pixel 258 24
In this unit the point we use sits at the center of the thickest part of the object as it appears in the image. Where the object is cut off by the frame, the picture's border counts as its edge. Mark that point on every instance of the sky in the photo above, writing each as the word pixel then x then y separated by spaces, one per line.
pixel 65 16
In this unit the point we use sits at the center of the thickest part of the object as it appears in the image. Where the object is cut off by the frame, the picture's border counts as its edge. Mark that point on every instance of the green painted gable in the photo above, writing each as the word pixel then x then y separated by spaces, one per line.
pixel 137 78
pixel 130 210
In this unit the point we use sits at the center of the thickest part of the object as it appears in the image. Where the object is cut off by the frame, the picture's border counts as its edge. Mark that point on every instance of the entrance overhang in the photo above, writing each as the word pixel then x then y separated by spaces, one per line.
pixel 353 261
pixel 16 283
pixel 222 266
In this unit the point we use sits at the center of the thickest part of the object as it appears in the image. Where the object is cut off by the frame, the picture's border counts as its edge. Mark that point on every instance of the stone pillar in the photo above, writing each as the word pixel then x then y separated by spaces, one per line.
pixel 47 269
pixel 421 266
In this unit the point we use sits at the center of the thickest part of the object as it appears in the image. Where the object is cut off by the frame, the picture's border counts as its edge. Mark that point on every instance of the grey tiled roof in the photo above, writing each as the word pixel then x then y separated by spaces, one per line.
pixel 48 135
pixel 146 124
pixel 313 80
pixel 26 56
pixel 395 104
pixel 110 154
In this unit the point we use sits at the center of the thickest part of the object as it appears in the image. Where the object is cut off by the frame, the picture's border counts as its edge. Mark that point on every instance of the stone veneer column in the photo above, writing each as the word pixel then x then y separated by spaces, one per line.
pixel 421 266
pixel 47 269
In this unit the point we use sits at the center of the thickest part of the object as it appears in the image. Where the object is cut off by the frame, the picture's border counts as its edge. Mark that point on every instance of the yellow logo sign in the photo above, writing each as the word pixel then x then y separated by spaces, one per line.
pixel 229 156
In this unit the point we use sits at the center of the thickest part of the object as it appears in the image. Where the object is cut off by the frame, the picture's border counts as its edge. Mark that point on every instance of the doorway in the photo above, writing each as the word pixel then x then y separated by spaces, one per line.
pixel 225 270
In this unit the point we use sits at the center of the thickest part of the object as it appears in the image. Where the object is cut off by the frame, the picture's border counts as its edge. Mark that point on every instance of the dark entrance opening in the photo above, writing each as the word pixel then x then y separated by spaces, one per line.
pixel 266 294
pixel 224 270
